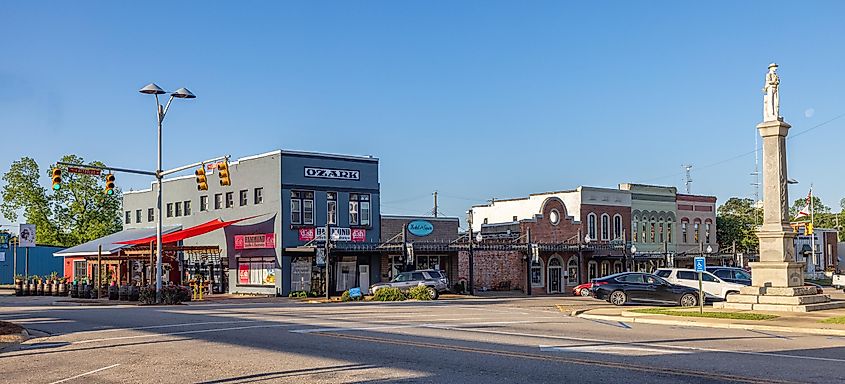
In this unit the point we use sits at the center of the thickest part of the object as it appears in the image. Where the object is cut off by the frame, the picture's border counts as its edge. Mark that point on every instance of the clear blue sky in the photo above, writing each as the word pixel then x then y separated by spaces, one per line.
pixel 475 99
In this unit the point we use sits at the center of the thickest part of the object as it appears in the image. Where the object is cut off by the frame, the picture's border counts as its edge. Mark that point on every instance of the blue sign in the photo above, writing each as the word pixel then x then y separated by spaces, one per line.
pixel 355 293
pixel 420 228
pixel 4 240
pixel 700 264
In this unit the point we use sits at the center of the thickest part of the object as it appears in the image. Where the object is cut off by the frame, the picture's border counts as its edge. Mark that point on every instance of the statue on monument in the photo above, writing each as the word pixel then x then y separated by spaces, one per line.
pixel 771 98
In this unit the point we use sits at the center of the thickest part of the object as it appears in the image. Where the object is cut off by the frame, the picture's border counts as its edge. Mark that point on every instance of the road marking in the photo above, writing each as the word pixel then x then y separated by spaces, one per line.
pixel 181 333
pixel 623 350
pixel 618 324
pixel 606 364
pixel 85 374
pixel 400 326
pixel 680 347
pixel 770 334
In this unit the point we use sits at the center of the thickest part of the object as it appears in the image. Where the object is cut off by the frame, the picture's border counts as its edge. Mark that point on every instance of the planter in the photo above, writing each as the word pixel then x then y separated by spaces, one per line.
pixel 48 289
pixel 134 293
pixel 113 292
pixel 40 289
pixel 85 292
pixel 61 289
pixel 74 291
pixel 95 294
pixel 56 289
pixel 18 287
pixel 123 293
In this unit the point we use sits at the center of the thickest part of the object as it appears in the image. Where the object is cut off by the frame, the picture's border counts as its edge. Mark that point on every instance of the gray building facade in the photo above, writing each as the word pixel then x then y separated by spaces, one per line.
pixel 282 201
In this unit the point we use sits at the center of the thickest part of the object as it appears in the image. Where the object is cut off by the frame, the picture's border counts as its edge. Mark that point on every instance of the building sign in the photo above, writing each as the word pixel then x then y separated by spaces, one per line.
pixel 359 235
pixel 420 228
pixel 300 275
pixel 243 273
pixel 4 240
pixel 356 235
pixel 27 236
pixel 328 173
pixel 259 241
pixel 209 168
pixel 306 234
pixel 84 171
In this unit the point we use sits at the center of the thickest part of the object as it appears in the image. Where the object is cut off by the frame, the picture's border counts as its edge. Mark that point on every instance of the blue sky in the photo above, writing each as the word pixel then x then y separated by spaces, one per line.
pixel 475 99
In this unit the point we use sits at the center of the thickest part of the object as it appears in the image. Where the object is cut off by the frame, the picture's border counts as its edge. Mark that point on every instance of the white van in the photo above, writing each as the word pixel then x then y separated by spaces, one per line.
pixel 713 287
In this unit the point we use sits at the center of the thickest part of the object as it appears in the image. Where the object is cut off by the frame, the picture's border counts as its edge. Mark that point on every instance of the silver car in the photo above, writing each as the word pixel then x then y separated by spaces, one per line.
pixel 435 281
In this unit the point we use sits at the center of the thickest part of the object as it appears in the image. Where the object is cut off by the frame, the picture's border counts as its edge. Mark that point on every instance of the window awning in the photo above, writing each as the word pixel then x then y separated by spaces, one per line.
pixel 187 232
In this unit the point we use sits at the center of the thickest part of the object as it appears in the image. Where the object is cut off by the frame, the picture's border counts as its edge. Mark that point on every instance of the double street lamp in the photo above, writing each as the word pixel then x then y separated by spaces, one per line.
pixel 161 111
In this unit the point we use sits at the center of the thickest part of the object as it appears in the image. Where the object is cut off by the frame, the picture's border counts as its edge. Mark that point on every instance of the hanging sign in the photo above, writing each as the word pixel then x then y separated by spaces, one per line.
pixel 306 234
pixel 259 241
pixel 359 235
pixel 84 171
pixel 420 228
pixel 27 236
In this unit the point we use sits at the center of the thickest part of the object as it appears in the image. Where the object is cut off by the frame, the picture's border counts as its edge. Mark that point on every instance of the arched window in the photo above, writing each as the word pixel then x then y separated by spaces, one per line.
pixel 653 223
pixel 605 268
pixel 635 225
pixel 660 231
pixel 696 226
pixel 707 231
pixel 669 230
pixel 605 227
pixel 684 228
pixel 537 273
pixel 617 227
pixel 572 271
pixel 591 226
pixel 644 230
pixel 617 267
pixel 592 270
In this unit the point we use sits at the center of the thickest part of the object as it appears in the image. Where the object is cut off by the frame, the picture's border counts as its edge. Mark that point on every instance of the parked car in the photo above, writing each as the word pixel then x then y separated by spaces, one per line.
pixel 713 287
pixel 433 279
pixel 621 288
pixel 582 290
pixel 741 276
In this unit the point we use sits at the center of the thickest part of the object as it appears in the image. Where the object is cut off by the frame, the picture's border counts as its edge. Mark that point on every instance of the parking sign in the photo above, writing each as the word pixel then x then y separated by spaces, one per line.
pixel 700 264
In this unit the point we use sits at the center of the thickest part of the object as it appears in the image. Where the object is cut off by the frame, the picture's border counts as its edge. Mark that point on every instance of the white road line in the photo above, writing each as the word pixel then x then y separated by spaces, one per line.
pixel 157 327
pixel 180 333
pixel 85 374
pixel 614 342
pixel 614 350
pixel 336 329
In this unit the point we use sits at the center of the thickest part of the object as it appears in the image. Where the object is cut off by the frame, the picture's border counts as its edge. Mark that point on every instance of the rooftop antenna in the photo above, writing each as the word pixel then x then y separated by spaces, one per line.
pixel 688 177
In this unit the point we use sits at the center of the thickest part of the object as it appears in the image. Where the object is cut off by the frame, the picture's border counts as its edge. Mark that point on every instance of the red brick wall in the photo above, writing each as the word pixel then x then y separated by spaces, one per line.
pixel 492 268
pixel 543 231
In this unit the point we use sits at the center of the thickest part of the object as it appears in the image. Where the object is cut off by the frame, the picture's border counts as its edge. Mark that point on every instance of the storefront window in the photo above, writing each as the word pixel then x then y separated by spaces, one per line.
pixel 257 271
pixel 536 274
pixel 592 270
pixel 572 271
pixel 80 269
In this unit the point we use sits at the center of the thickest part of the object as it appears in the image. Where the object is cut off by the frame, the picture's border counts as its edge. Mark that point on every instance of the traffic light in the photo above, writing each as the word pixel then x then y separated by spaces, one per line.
pixel 57 179
pixel 809 229
pixel 223 172
pixel 109 184
pixel 202 181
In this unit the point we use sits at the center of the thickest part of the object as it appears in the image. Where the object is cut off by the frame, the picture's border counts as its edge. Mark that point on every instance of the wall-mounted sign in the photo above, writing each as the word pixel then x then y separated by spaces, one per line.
pixel 420 228
pixel 243 273
pixel 306 234
pixel 359 235
pixel 259 241
pixel 4 240
pixel 26 236
pixel 328 173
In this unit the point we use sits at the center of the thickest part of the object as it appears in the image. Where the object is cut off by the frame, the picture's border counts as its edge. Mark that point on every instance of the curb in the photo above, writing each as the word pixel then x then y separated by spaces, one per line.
pixel 748 327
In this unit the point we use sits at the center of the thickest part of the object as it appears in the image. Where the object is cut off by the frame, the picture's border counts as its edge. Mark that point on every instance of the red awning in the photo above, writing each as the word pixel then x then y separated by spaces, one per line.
pixel 187 233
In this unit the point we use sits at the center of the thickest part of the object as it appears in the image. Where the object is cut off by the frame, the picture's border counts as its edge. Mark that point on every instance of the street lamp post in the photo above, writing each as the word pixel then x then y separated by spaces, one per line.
pixel 471 261
pixel 633 257
pixel 181 93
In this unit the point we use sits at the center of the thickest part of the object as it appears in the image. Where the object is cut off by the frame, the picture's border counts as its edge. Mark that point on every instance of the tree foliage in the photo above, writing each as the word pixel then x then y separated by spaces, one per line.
pixel 78 212
pixel 736 221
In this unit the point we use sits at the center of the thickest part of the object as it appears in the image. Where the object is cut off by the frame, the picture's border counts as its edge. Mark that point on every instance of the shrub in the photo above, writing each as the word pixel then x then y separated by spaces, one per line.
pixel 420 292
pixel 170 295
pixel 147 295
pixel 345 296
pixel 389 294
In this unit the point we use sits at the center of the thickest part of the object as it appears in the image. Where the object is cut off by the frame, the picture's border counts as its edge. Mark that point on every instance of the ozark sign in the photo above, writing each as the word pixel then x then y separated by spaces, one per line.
pixel 328 173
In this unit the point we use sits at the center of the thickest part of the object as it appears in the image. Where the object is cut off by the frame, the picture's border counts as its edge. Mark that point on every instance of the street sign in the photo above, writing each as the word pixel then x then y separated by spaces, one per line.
pixel 84 171
pixel 700 264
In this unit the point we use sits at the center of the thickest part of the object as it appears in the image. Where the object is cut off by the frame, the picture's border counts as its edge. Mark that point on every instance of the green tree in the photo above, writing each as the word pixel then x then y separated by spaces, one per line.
pixel 78 212
pixel 736 221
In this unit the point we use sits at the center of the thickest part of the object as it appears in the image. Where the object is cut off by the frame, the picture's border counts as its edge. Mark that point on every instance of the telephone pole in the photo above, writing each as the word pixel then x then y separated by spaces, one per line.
pixel 435 204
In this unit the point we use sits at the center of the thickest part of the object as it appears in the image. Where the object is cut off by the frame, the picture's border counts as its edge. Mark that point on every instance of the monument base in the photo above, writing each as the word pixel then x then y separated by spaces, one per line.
pixel 779 299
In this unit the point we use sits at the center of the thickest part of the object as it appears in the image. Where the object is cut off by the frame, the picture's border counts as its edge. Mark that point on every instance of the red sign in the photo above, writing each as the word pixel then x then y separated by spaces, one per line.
pixel 306 234
pixel 84 171
pixel 243 273
pixel 263 240
pixel 359 235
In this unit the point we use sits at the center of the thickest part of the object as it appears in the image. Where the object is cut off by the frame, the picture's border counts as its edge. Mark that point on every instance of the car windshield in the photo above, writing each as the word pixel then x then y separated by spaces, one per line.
pixel 663 273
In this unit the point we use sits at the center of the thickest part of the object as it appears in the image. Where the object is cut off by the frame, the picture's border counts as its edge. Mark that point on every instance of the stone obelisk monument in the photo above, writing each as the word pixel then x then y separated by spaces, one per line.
pixel 777 279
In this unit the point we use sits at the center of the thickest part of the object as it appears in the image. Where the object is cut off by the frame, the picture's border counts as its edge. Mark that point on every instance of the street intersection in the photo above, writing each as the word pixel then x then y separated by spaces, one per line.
pixel 448 341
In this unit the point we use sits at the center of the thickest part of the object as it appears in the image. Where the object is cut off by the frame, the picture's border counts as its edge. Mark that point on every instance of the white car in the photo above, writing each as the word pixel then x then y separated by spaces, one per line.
pixel 713 287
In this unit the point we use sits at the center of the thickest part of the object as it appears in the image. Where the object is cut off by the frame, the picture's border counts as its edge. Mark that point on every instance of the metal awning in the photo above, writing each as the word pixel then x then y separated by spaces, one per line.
pixel 112 244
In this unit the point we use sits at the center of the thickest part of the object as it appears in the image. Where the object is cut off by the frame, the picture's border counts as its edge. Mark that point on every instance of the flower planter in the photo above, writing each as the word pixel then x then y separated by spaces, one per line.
pixel 30 289
pixel 95 294
pixel 123 293
pixel 134 293
pixel 113 292
pixel 40 289
pixel 48 289
pixel 74 291
pixel 18 287
pixel 85 292
pixel 61 289
pixel 55 289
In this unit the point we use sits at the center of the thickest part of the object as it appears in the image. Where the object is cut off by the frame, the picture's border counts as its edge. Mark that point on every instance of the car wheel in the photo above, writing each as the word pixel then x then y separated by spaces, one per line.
pixel 618 298
pixel 729 294
pixel 688 300
pixel 433 293
pixel 585 292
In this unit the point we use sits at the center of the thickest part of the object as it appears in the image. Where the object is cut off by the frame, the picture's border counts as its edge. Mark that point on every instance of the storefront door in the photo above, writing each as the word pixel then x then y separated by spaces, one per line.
pixel 555 275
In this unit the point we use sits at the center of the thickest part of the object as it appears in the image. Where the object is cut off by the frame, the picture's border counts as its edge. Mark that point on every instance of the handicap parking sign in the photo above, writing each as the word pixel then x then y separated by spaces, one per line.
pixel 700 264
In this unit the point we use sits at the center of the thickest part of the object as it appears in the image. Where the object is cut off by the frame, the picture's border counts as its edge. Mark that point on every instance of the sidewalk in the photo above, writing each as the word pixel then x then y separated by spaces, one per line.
pixel 797 322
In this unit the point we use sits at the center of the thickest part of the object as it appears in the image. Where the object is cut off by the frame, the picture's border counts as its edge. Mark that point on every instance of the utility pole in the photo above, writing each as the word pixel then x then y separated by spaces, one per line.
pixel 435 204
pixel 528 261
pixel 328 263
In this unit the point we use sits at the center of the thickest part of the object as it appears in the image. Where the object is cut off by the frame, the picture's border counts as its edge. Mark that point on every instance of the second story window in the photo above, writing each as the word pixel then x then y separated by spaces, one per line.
pixel 259 196
pixel 218 201
pixel 359 209
pixel 151 215
pixel 138 216
pixel 302 207
pixel 242 197
pixel 591 225
pixel 178 209
pixel 187 204
pixel 128 217
pixel 203 203
pixel 230 199
pixel 331 208
pixel 169 209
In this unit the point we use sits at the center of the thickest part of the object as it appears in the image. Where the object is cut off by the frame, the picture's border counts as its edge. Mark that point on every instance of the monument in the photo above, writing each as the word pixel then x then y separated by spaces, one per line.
pixel 777 280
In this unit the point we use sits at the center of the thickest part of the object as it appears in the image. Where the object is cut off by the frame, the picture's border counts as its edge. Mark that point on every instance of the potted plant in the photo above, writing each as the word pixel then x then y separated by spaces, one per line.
pixel 74 289
pixel 48 285
pixel 113 291
pixel 18 285
pixel 85 292
pixel 39 285
pixel 61 287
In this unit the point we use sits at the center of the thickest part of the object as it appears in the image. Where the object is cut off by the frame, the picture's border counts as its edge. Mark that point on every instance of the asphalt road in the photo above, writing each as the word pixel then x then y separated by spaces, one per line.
pixel 447 341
